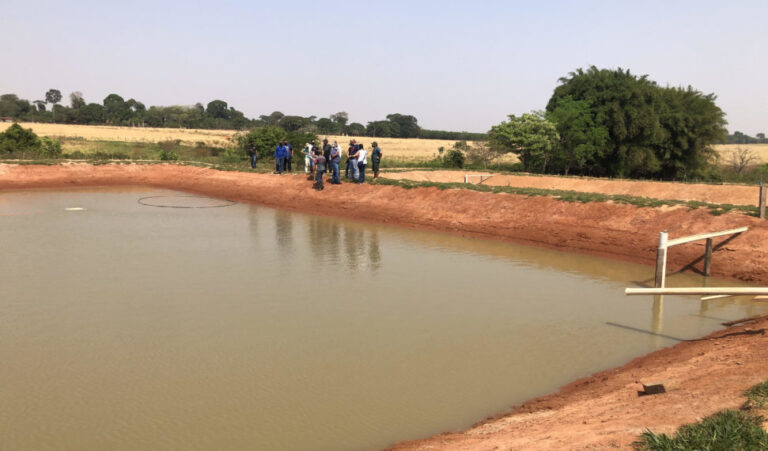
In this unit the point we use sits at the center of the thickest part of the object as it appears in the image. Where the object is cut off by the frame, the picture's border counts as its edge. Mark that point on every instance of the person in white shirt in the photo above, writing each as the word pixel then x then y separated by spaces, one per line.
pixel 361 163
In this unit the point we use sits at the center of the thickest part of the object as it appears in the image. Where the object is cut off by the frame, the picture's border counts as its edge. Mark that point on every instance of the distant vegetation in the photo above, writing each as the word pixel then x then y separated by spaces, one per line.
pixel 598 122
pixel 740 138
pixel 217 114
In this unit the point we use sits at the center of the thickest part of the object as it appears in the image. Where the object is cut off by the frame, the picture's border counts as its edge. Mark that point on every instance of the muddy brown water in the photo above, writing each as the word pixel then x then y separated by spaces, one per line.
pixel 130 326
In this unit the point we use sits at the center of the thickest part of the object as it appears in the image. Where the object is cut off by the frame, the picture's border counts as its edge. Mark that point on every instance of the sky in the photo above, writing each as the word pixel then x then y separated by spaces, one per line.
pixel 455 65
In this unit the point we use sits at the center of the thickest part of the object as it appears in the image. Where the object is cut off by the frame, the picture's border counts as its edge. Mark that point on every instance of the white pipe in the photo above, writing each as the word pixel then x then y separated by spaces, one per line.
pixel 732 291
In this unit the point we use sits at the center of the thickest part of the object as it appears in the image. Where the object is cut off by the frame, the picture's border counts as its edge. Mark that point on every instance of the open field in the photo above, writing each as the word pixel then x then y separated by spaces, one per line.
pixel 219 138
pixel 397 148
pixel 420 149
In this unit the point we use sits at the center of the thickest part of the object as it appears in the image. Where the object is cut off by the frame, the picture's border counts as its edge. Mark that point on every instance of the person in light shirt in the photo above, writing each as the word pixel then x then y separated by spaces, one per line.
pixel 362 154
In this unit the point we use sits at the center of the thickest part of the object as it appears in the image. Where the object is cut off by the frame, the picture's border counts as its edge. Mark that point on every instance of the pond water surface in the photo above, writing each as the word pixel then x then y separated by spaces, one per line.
pixel 130 326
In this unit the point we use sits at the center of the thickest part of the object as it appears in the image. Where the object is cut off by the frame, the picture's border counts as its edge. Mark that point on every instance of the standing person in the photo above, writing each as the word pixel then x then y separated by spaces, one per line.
pixel 375 158
pixel 326 150
pixel 307 151
pixel 280 152
pixel 335 161
pixel 320 167
pixel 352 149
pixel 253 153
pixel 354 168
pixel 361 163
pixel 288 156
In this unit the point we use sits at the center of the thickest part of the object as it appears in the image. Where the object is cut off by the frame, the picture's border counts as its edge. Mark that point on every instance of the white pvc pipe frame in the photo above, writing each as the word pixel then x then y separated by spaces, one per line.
pixel 665 243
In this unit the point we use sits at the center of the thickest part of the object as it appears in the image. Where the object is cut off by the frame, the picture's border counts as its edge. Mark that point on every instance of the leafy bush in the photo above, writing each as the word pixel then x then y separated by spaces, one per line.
pixel 454 158
pixel 168 155
pixel 17 139
pixel 264 139
pixel 50 148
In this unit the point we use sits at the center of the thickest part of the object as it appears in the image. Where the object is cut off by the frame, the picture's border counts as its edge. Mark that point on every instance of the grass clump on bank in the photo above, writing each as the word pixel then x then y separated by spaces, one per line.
pixel 725 430
pixel 573 196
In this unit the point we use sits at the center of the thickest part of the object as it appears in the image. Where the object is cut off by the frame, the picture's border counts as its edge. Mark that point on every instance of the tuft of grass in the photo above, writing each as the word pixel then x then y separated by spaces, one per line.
pixel 726 430
pixel 757 396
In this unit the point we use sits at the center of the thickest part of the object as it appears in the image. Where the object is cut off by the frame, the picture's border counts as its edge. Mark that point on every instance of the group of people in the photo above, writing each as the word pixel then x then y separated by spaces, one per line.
pixel 321 159
pixel 318 160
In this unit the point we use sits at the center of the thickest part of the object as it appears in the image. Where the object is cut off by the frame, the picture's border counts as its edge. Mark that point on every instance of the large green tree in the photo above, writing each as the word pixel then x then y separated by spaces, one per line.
pixel 530 136
pixel 582 140
pixel 652 131
pixel 408 125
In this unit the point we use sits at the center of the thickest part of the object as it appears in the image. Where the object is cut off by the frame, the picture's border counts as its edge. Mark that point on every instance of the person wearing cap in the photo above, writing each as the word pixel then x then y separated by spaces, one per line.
pixel 375 158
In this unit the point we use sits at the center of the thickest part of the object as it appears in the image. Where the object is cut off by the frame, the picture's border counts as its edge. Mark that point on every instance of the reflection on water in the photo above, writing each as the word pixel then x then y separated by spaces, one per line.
pixel 131 327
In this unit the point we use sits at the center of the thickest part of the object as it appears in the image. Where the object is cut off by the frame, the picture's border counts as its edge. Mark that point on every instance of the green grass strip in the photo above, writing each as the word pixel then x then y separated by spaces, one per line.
pixel 574 196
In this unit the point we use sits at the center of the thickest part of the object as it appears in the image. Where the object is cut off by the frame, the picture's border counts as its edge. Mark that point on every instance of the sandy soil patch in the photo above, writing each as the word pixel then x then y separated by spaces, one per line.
pixel 716 194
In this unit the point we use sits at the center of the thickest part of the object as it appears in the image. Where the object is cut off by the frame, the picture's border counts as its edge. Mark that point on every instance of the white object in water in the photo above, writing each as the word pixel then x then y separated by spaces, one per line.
pixel 74 209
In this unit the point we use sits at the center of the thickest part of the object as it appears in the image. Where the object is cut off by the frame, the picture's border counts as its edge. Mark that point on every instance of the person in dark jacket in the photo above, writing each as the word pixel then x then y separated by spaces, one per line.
pixel 288 156
pixel 253 154
pixel 375 158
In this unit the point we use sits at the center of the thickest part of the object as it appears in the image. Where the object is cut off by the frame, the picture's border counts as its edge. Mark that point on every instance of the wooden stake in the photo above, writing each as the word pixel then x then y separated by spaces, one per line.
pixel 762 201
pixel 708 258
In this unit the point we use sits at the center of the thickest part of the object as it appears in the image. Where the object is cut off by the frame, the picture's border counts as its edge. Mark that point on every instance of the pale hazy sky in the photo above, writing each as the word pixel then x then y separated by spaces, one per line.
pixel 455 65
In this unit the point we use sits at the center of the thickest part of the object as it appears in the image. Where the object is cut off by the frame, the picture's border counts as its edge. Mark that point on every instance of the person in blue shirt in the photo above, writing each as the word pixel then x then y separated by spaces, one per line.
pixel 280 153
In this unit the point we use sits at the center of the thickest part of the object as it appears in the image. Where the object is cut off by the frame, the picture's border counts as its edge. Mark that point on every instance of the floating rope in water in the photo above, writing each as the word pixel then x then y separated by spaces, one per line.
pixel 222 202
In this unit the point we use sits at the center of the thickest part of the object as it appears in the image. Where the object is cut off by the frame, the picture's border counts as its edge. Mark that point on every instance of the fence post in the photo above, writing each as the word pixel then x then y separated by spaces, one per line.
pixel 762 201
pixel 708 258
pixel 661 260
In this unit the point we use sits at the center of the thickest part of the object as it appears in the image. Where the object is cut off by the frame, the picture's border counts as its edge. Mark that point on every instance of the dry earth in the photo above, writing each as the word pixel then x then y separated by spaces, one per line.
pixel 599 412
pixel 716 194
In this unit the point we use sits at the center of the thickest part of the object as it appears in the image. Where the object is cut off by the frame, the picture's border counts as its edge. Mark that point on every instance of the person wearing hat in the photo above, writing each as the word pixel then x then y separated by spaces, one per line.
pixel 375 158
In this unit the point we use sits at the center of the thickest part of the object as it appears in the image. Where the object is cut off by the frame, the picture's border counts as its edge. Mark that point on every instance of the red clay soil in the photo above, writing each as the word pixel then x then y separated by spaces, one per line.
pixel 602 411
pixel 715 194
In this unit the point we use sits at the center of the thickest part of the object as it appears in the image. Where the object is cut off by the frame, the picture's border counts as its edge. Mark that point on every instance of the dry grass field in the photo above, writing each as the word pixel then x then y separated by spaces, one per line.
pixel 411 149
pixel 218 138
pixel 418 149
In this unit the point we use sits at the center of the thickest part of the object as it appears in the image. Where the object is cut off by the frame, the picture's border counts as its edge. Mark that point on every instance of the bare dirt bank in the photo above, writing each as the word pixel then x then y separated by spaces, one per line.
pixel 612 230
pixel 715 194
pixel 602 411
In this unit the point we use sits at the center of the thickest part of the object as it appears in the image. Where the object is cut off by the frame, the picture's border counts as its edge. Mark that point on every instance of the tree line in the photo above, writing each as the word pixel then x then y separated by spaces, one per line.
pixel 741 138
pixel 216 114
